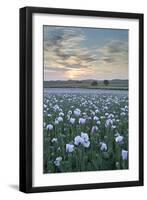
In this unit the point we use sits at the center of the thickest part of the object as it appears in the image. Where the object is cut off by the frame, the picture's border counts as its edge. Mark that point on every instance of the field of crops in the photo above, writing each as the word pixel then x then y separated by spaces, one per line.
pixel 85 131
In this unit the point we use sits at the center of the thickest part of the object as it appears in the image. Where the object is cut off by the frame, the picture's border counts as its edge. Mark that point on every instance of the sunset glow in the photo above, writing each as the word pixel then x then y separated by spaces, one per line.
pixel 85 53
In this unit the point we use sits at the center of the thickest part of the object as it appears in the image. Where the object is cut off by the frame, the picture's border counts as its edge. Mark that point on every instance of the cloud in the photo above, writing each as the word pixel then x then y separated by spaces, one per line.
pixel 66 49
pixel 63 47
pixel 53 69
pixel 115 52
pixel 116 47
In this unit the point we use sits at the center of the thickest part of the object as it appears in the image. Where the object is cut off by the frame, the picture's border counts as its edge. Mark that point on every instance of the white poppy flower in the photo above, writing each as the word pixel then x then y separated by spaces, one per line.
pixel 123 114
pixel 54 140
pixel 78 140
pixel 69 112
pixel 60 110
pixel 98 122
pixel 44 124
pixel 126 107
pixel 56 108
pixel 85 136
pixel 108 123
pixel 69 148
pixel 92 113
pixel 103 146
pixel 77 112
pixel 84 114
pixel 72 120
pixel 57 161
pixel 86 144
pixel 82 121
pixel 97 111
pixel 68 117
pixel 122 109
pixel 94 129
pixel 49 127
pixel 124 154
pixel 110 116
pixel 95 118
pixel 56 122
pixel 119 139
pixel 45 106
pixel 61 114
pixel 60 119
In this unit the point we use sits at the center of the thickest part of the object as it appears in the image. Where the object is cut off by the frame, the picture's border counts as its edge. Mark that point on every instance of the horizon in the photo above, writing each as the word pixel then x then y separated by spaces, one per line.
pixel 85 53
pixel 89 80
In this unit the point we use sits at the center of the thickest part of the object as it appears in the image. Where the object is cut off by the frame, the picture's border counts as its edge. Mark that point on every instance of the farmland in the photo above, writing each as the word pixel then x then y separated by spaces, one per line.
pixel 115 84
pixel 85 130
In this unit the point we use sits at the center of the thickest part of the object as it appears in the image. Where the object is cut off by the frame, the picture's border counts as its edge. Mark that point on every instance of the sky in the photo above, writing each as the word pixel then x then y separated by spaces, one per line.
pixel 77 53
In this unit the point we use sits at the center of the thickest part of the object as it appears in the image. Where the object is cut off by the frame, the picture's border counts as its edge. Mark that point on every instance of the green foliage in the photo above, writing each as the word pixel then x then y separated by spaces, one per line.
pixel 94 83
pixel 106 82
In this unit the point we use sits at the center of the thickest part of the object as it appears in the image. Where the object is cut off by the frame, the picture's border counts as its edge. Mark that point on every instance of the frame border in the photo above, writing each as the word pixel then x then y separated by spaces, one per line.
pixel 25 99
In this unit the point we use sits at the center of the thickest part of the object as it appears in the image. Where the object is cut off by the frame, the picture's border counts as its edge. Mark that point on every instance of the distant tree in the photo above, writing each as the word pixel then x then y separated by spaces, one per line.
pixel 94 83
pixel 106 82
pixel 78 81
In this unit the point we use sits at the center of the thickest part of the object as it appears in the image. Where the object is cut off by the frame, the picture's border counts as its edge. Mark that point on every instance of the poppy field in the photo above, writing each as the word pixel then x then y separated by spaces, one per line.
pixel 85 131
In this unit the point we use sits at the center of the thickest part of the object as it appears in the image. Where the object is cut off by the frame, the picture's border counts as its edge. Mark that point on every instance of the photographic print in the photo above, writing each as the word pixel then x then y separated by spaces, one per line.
pixel 81 99
pixel 85 105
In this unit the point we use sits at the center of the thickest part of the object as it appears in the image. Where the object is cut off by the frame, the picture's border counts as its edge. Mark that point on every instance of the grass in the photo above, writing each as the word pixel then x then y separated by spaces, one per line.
pixel 113 85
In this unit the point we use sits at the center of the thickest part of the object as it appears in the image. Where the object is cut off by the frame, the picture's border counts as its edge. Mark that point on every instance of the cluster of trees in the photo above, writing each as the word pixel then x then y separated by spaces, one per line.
pixel 95 83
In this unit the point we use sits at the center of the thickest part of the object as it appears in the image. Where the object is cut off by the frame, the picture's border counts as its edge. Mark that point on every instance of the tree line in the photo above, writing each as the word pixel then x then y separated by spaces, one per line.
pixel 95 83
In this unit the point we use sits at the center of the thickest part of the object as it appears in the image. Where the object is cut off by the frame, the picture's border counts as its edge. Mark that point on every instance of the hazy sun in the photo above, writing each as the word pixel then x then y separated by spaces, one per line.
pixel 72 74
